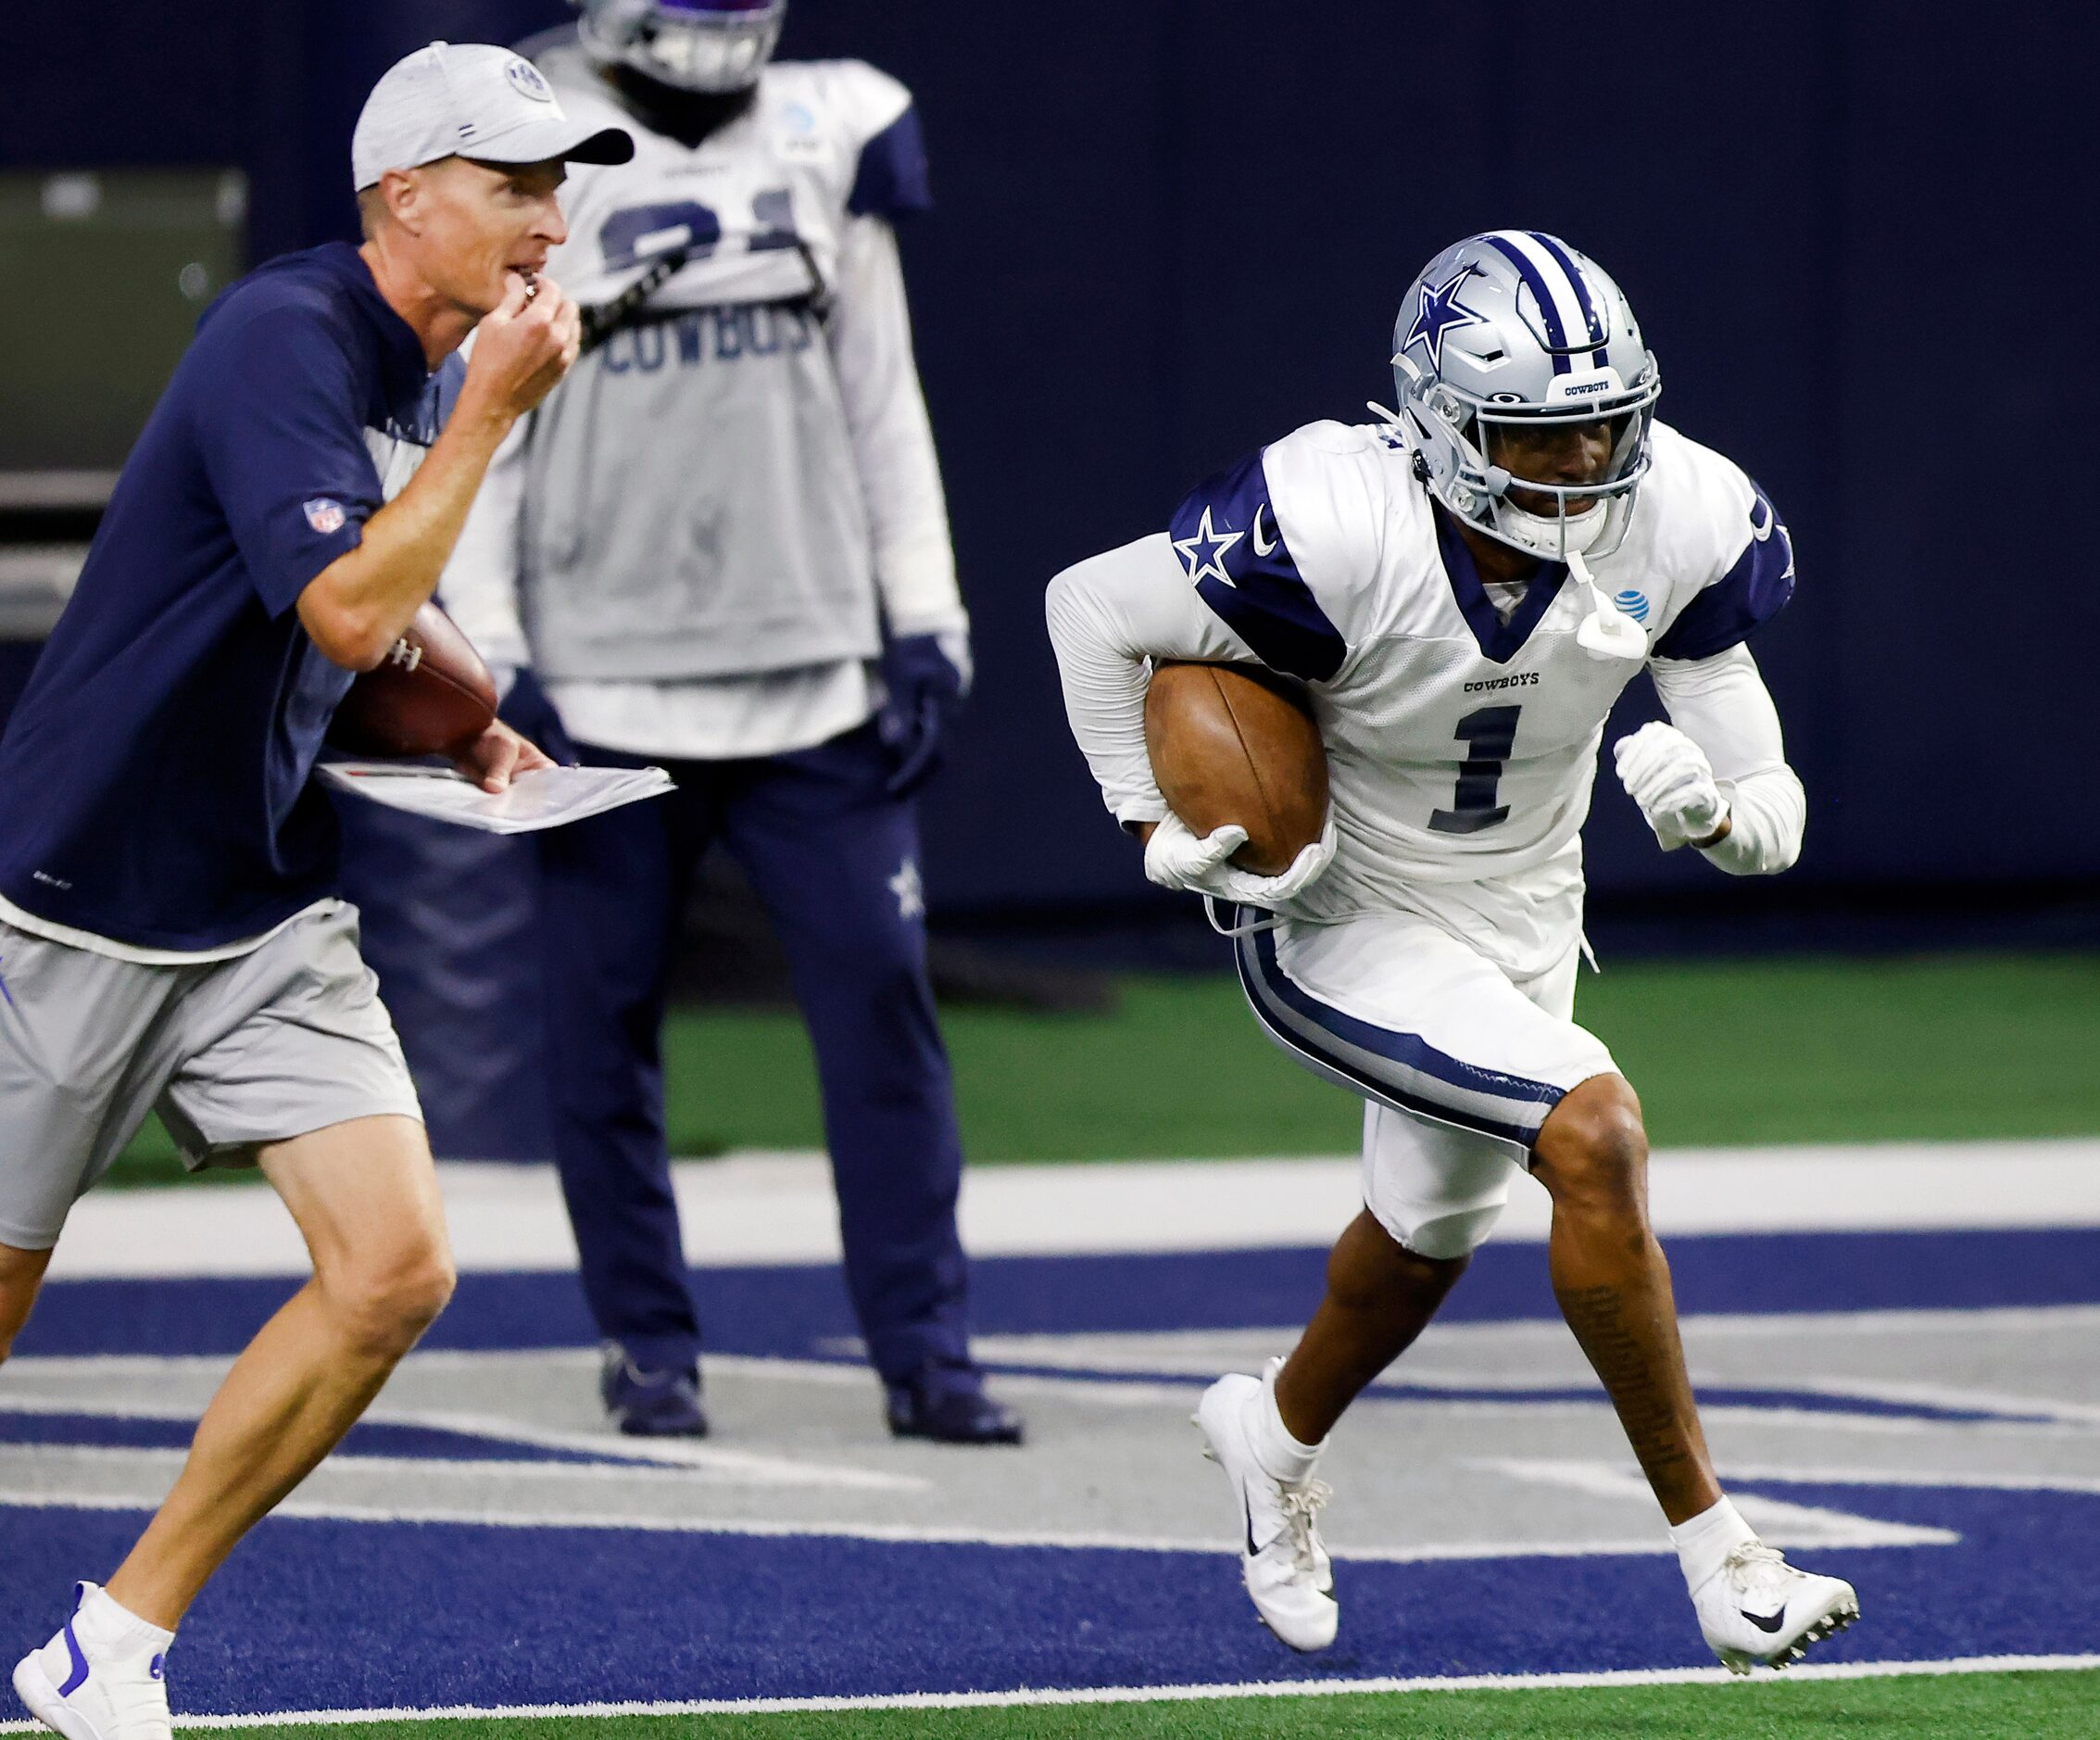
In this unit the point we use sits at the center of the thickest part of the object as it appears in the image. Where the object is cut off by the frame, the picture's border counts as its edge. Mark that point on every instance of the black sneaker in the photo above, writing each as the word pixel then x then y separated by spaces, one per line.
pixel 948 1405
pixel 651 1404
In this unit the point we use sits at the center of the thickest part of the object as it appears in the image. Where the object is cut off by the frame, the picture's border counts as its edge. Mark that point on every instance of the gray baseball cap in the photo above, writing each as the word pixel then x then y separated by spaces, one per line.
pixel 471 100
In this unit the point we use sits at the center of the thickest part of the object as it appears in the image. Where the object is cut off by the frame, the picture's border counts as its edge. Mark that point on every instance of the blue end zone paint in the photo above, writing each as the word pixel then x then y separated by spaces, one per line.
pixel 444 1614
pixel 797 1311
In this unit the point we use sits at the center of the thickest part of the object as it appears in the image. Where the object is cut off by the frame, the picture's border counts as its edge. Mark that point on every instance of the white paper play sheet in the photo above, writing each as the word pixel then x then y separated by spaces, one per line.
pixel 546 797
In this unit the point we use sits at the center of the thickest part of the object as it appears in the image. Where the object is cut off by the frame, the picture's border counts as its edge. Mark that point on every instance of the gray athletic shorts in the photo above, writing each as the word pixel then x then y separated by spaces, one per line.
pixel 233 1055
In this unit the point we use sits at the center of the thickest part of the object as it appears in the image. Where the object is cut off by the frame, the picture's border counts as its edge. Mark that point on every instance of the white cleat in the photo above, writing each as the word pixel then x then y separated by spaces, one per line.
pixel 1757 1608
pixel 96 1680
pixel 1286 1568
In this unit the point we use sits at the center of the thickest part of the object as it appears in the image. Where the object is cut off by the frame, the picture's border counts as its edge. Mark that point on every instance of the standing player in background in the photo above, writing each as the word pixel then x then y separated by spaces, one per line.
pixel 169 936
pixel 730 546
pixel 1464 592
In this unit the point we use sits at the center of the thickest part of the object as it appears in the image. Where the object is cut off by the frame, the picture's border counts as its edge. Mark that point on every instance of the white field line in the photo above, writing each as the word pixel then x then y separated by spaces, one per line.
pixel 779 1207
pixel 132 1458
pixel 708 1462
pixel 1082 1385
pixel 743 1466
pixel 1144 1694
pixel 1757 1325
pixel 1140 1351
pixel 1777 1519
pixel 1791 1525
pixel 1079 1386
pixel 1902 1394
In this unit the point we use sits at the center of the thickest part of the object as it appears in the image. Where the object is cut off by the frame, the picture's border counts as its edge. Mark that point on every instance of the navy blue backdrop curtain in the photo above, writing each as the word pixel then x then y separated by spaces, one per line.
pixel 1856 232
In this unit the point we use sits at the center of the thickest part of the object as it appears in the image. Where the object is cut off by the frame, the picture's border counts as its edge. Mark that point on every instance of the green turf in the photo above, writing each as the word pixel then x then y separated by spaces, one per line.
pixel 2062 1706
pixel 1722 1053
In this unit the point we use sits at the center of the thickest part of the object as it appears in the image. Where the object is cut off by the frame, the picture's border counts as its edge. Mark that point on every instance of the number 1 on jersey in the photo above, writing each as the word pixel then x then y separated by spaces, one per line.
pixel 1488 734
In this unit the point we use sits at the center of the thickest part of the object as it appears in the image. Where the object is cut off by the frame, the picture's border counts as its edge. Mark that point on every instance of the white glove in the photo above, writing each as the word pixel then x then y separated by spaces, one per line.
pixel 1174 858
pixel 1668 775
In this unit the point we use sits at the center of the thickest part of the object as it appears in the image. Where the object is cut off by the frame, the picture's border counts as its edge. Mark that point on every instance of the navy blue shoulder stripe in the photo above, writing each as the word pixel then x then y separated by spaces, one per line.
pixel 1754 591
pixel 893 178
pixel 1226 535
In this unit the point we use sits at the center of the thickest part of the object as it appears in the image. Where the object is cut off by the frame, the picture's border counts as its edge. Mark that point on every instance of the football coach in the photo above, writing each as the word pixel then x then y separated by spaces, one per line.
pixel 168 937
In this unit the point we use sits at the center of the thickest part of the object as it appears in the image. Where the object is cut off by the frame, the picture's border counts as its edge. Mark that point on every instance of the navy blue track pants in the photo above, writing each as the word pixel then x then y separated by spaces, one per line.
pixel 833 858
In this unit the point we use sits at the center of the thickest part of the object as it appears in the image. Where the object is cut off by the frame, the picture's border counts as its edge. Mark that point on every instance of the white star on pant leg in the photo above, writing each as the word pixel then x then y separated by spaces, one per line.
pixel 909 891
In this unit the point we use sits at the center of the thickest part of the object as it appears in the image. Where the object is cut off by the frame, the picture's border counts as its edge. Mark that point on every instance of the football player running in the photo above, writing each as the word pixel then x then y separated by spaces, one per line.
pixel 1463 588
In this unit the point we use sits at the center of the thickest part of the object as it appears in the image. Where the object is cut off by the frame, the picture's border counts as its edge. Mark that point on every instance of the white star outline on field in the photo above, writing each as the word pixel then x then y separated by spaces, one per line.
pixel 1218 543
pixel 909 890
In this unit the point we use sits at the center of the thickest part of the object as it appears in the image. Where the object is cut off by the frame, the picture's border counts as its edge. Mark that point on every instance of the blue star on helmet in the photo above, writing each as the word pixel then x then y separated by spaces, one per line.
pixel 1203 554
pixel 1441 312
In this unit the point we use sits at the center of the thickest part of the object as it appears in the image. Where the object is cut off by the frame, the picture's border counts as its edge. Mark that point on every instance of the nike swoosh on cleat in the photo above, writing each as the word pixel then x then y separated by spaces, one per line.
pixel 1247 1512
pixel 78 1677
pixel 1765 1621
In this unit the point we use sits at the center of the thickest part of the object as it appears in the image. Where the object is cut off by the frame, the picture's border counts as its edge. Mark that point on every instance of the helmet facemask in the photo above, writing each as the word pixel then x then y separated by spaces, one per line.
pixel 712 46
pixel 1452 434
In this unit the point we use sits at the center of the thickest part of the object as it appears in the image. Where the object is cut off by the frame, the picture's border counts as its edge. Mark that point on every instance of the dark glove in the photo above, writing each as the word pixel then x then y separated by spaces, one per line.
pixel 927 678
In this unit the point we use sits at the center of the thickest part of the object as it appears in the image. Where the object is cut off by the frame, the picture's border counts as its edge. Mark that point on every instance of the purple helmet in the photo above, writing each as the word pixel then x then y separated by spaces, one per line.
pixel 694 44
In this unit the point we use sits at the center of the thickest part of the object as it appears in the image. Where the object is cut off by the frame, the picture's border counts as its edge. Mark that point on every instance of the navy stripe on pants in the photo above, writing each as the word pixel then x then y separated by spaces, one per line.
pixel 1402 1070
pixel 833 857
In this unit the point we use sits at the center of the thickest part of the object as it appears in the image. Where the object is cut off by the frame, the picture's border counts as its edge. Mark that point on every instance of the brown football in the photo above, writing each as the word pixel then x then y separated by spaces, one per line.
pixel 1231 744
pixel 431 695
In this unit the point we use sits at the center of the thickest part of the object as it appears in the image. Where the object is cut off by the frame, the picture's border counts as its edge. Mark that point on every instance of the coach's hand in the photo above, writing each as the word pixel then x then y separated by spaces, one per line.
pixel 523 346
pixel 1668 775
pixel 492 759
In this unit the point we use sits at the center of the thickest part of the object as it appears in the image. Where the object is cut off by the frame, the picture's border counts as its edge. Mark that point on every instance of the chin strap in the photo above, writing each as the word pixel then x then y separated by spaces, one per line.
pixel 1607 632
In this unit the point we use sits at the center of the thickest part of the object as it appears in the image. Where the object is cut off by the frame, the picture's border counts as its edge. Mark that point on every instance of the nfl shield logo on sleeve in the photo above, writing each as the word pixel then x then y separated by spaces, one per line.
pixel 324 516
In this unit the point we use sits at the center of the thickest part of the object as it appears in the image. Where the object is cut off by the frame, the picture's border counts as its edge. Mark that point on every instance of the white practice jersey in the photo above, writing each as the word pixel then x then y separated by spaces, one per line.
pixel 1462 747
pixel 763 203
pixel 706 529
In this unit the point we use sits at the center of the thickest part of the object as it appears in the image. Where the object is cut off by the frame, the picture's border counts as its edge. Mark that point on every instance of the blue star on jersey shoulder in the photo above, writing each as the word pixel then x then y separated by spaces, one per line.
pixel 1440 311
pixel 1204 552
pixel 1229 543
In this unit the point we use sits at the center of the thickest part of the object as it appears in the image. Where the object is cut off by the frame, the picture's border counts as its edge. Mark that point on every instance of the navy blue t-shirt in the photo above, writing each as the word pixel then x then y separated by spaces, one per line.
pixel 154 779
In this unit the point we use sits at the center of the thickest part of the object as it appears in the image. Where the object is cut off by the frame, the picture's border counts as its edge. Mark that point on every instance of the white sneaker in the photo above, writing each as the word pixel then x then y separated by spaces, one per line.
pixel 1286 1568
pixel 103 1677
pixel 1758 1609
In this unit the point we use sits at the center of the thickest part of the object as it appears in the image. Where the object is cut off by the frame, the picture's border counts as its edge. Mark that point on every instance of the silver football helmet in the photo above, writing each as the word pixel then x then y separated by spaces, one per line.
pixel 718 45
pixel 1510 329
